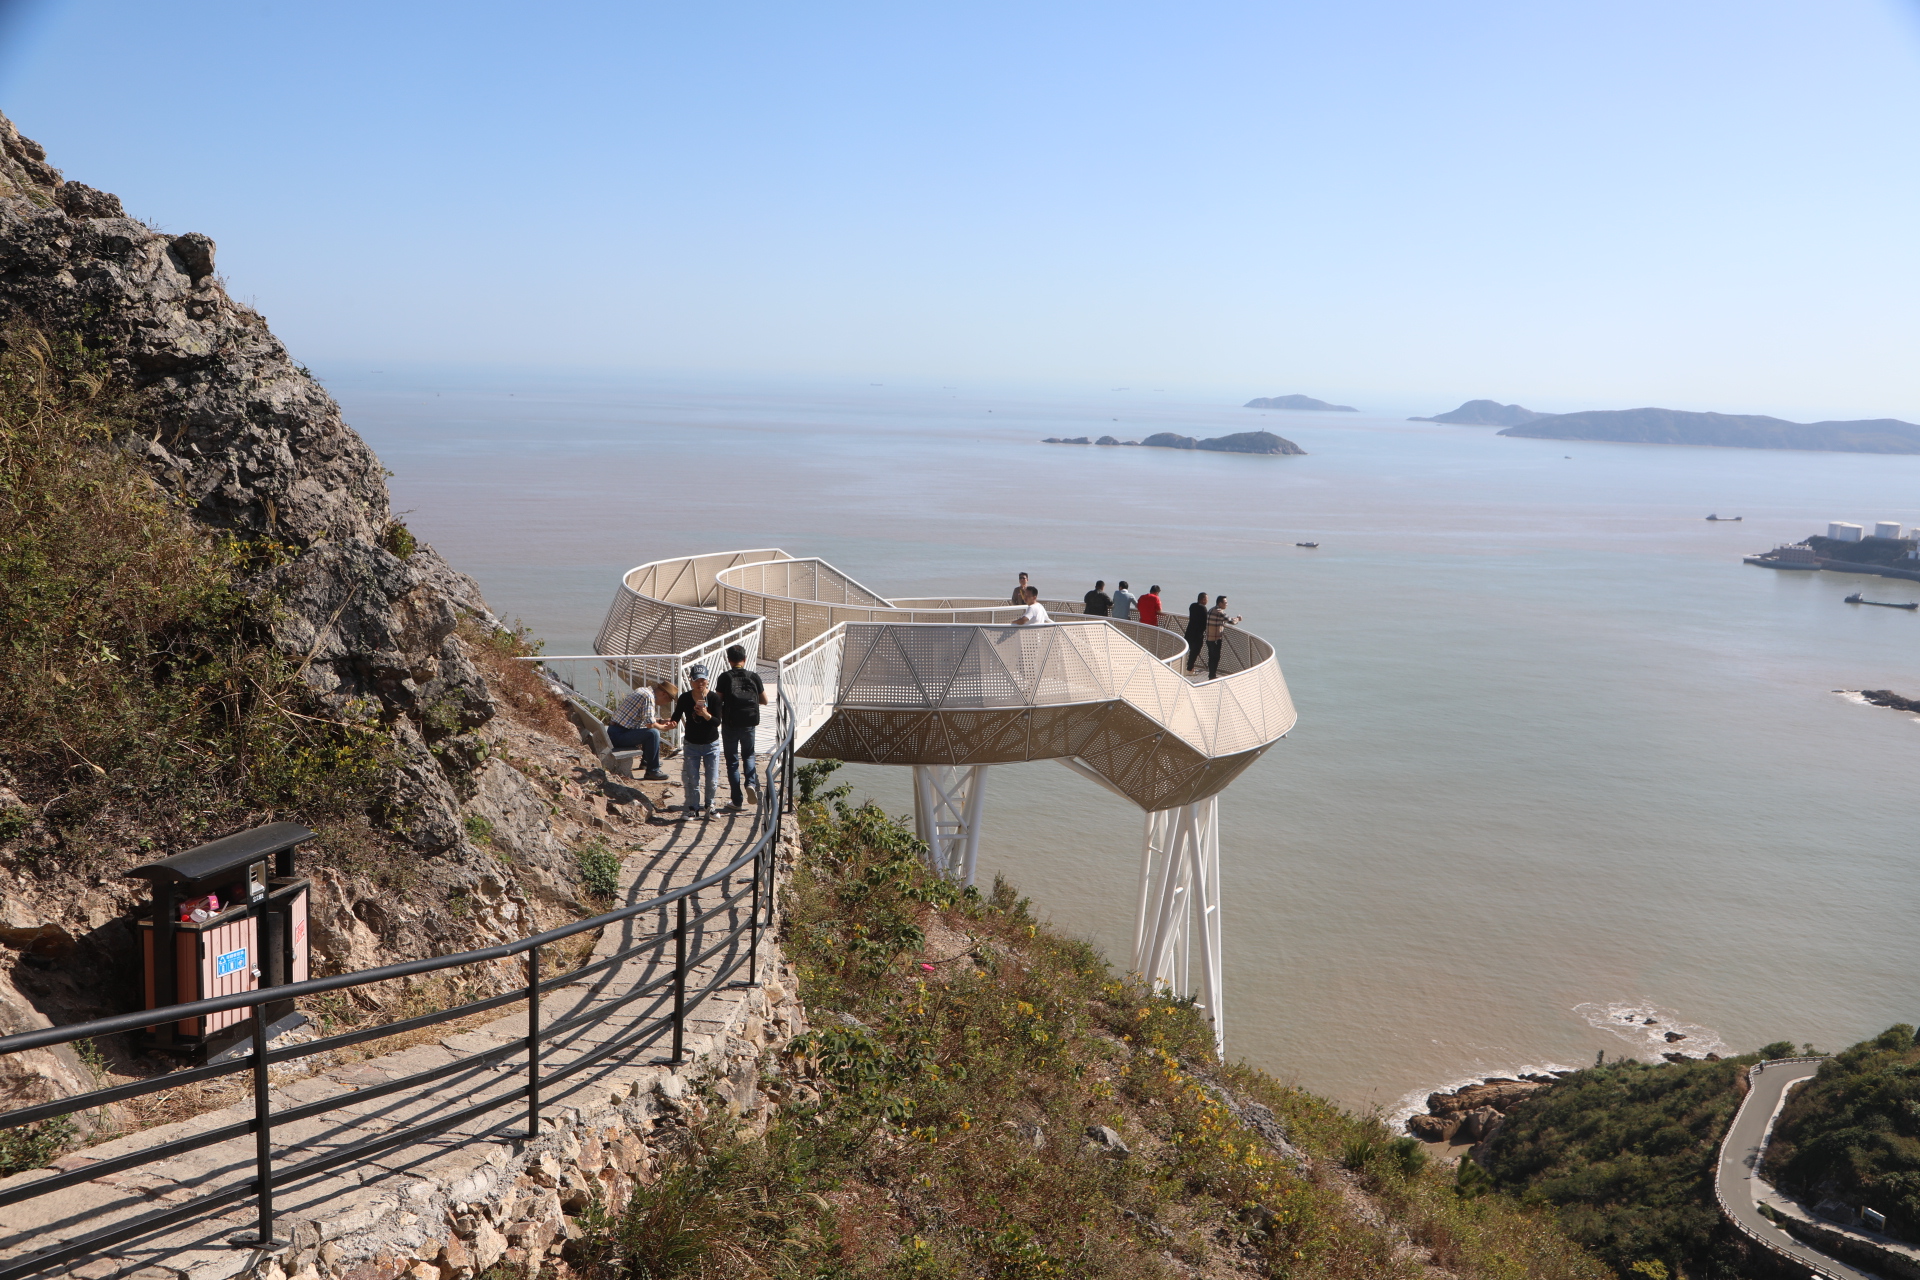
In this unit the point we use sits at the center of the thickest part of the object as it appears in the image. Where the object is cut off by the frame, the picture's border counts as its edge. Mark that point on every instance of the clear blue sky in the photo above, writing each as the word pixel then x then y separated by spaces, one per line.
pixel 1394 203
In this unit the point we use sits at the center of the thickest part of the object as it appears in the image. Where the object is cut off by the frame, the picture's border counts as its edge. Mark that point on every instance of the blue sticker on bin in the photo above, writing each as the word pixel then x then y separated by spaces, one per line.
pixel 229 962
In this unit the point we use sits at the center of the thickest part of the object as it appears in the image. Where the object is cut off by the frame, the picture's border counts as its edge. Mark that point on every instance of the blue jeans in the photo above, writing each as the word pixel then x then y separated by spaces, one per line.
pixel 693 755
pixel 739 744
pixel 645 738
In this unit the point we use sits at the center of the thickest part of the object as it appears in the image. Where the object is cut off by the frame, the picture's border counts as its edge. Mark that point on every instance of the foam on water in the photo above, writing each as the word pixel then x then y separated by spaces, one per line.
pixel 1644 1025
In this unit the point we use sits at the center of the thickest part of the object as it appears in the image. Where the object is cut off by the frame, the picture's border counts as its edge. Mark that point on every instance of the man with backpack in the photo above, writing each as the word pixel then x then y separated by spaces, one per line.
pixel 742 694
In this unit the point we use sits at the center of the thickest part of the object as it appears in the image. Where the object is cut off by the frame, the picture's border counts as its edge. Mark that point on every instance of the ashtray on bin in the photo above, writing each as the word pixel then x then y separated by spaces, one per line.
pixel 226 917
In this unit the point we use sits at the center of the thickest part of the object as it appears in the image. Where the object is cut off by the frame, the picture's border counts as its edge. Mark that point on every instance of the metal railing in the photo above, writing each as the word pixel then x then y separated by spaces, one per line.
pixel 692 906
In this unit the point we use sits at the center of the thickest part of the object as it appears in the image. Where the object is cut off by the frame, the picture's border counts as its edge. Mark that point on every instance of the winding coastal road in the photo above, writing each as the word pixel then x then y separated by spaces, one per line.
pixel 1736 1178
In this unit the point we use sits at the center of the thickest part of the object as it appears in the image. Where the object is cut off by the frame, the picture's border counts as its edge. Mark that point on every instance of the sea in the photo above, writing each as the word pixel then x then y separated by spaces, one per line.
pixel 1568 775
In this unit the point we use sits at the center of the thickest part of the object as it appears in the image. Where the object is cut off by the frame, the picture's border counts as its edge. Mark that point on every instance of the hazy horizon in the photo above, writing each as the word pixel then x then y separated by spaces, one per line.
pixel 1384 204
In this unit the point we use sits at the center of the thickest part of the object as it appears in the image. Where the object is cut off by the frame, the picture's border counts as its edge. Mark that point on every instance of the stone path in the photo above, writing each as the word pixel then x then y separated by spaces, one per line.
pixel 452 1204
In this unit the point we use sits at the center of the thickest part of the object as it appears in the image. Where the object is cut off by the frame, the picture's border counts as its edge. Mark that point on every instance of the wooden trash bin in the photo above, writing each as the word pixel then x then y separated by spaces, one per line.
pixel 253 935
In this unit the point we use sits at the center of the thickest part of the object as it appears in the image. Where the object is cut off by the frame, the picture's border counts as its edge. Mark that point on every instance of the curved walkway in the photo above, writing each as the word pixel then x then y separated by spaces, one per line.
pixel 1736 1178
pixel 951 682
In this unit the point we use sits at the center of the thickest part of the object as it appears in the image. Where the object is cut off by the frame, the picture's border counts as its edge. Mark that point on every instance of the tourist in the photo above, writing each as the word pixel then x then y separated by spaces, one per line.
pixel 1149 606
pixel 1217 622
pixel 1036 612
pixel 1123 602
pixel 1196 629
pixel 698 714
pixel 1019 596
pixel 636 727
pixel 665 694
pixel 1099 603
pixel 742 694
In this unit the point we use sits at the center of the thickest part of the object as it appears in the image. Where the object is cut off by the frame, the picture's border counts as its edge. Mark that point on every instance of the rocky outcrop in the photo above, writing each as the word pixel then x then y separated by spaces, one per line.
pixel 1472 1113
pixel 1500 1094
pixel 476 840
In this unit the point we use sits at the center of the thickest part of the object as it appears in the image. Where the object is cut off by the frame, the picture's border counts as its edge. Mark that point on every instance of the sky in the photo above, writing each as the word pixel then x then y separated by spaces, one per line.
pixel 1394 204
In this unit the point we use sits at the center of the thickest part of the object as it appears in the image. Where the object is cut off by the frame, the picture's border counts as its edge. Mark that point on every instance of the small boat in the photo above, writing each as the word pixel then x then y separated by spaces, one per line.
pixel 1734 519
pixel 1884 604
pixel 1306 544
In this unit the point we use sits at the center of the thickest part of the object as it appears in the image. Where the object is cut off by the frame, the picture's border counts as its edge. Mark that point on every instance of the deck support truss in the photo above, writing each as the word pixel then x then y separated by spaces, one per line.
pixel 1179 907
pixel 949 802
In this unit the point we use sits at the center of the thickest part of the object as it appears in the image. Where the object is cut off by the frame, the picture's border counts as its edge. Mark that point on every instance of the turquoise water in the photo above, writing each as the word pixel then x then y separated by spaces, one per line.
pixel 1560 754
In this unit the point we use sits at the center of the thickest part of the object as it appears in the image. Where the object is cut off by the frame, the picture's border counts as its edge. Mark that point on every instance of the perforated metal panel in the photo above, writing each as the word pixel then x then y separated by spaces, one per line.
pixel 947 681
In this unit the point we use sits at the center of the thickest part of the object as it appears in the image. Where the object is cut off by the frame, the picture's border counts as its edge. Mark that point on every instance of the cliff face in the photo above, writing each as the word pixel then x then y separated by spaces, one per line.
pixel 250 443
pixel 468 848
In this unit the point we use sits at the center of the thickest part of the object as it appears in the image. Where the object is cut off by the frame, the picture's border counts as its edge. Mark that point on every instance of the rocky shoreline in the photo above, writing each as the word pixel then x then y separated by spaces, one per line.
pixel 1471 1114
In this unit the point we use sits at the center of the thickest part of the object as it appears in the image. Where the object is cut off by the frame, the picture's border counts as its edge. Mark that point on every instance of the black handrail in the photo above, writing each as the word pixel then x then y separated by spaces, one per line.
pixel 775 799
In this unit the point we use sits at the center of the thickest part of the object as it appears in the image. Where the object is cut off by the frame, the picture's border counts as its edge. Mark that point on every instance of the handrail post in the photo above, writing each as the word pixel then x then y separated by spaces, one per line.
pixel 753 948
pixel 533 1043
pixel 262 1142
pixel 680 983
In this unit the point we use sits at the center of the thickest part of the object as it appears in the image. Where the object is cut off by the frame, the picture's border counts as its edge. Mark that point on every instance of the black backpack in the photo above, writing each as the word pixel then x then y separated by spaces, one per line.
pixel 739 696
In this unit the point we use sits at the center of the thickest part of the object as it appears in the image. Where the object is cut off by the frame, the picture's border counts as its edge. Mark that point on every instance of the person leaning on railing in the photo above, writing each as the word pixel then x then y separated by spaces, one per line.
pixel 1217 624
pixel 1196 629
pixel 1036 613
pixel 636 725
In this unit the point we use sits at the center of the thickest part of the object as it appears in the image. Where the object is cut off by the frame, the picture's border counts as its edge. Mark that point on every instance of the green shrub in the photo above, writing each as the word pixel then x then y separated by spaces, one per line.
pixel 810 779
pixel 599 869
pixel 1624 1154
pixel 400 540
pixel 946 1136
pixel 1854 1131
pixel 34 1146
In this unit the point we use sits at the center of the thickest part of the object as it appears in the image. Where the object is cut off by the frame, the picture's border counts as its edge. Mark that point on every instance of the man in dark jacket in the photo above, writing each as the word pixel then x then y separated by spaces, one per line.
pixel 698 714
pixel 1196 629
pixel 1099 603
pixel 741 696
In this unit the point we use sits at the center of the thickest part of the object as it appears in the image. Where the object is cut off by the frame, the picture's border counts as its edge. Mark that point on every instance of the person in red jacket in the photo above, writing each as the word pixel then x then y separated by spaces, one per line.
pixel 1149 606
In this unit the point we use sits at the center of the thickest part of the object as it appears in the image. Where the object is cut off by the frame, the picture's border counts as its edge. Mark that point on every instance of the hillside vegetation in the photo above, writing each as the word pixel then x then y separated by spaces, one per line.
pixel 139 700
pixel 1853 1132
pixel 984 1097
pixel 1624 1154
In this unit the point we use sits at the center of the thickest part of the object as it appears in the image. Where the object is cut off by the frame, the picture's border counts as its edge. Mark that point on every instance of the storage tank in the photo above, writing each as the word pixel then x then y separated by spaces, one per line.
pixel 1841 531
pixel 1886 529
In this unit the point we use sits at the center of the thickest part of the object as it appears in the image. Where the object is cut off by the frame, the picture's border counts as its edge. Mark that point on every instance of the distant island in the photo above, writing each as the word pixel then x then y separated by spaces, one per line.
pixel 1485 413
pixel 1679 426
pixel 1726 430
pixel 1239 442
pixel 1298 402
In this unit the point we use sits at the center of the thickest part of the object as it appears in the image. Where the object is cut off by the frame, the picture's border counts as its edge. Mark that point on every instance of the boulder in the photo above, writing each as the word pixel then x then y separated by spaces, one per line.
pixel 1478 1125
pixel 1430 1128
pixel 1500 1096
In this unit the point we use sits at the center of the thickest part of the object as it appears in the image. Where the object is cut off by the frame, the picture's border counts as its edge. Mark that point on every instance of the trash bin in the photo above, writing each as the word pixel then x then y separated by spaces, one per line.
pixel 225 917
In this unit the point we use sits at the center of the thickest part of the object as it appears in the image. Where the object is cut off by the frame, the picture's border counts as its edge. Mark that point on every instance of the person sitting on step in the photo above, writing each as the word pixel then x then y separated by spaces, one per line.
pixel 636 726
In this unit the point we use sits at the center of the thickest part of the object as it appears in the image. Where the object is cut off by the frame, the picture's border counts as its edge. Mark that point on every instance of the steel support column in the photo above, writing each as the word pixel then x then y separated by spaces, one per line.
pixel 1178 911
pixel 949 802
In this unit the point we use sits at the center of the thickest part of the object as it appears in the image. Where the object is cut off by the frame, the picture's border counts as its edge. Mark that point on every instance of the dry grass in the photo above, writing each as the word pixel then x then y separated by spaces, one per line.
pixel 515 685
